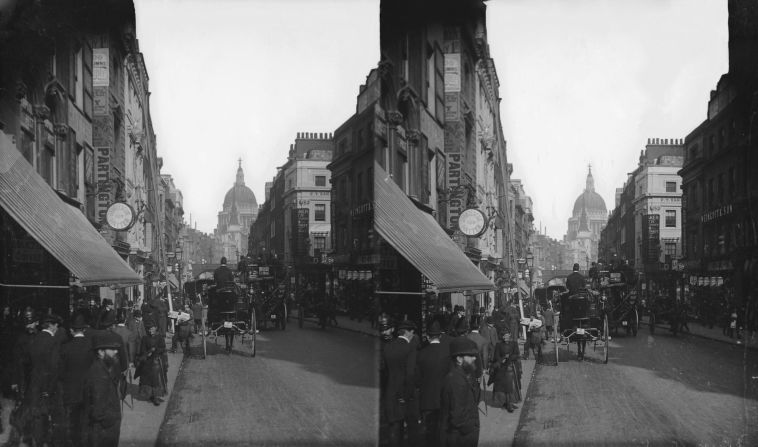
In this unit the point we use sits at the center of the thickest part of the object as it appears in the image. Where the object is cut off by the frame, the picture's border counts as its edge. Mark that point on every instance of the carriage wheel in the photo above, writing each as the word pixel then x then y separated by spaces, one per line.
pixel 202 331
pixel 605 338
pixel 635 323
pixel 300 316
pixel 283 318
pixel 253 330
pixel 555 342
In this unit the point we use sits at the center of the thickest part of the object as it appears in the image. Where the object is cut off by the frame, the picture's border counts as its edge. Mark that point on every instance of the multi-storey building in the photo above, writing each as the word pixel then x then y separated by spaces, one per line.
pixel 719 172
pixel 587 220
pixel 239 211
pixel 49 118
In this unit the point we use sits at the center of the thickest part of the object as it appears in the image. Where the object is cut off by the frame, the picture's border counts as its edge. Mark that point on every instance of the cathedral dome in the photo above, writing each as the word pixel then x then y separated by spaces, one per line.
pixel 240 195
pixel 589 200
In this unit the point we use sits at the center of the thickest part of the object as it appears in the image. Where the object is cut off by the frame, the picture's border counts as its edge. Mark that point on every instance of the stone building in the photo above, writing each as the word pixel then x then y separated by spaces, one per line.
pixel 588 218
pixel 239 211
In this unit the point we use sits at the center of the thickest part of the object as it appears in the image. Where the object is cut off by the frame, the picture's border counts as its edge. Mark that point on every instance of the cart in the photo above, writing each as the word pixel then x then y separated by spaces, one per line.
pixel 583 316
pixel 548 297
pixel 664 308
pixel 269 302
pixel 229 309
pixel 621 303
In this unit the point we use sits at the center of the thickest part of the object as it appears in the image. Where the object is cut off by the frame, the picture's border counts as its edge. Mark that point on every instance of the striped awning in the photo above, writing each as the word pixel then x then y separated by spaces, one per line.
pixel 419 239
pixel 60 228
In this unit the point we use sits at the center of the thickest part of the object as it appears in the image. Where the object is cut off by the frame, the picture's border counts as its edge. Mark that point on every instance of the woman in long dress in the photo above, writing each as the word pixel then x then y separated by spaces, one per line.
pixel 152 366
pixel 506 374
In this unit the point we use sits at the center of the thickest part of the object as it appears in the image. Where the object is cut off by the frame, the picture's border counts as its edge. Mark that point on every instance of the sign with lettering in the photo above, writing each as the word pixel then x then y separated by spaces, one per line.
pixel 300 221
pixel 100 68
pixel 455 198
pixel 103 172
pixel 651 227
pixel 715 214
pixel 452 72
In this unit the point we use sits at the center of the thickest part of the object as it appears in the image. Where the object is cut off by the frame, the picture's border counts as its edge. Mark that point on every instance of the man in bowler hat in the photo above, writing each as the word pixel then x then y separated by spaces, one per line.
pixel 76 358
pixel 432 367
pixel 459 411
pixel 398 362
pixel 102 407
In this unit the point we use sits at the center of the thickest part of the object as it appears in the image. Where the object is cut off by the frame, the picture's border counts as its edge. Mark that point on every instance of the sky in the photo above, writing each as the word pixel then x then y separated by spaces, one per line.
pixel 582 82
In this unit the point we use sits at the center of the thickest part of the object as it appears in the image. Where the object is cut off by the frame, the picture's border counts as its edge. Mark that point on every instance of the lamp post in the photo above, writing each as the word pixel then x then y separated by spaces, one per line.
pixel 180 267
pixel 529 268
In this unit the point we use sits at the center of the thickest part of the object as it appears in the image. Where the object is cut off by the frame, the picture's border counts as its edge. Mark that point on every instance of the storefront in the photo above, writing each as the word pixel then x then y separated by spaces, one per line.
pixel 418 261
pixel 49 247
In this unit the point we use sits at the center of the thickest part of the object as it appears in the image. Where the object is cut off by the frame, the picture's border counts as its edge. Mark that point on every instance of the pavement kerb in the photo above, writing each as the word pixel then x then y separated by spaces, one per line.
pixel 708 337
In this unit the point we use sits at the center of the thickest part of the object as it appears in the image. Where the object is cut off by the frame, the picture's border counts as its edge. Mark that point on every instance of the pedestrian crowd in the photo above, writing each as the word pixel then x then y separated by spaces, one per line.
pixel 431 388
pixel 69 380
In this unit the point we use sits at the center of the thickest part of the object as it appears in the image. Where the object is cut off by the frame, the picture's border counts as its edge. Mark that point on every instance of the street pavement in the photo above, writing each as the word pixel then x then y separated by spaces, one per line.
pixel 306 386
pixel 656 389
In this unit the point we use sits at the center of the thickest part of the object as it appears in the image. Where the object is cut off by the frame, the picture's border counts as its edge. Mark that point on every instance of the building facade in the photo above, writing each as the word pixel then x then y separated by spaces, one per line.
pixel 239 211
pixel 718 179
pixel 587 220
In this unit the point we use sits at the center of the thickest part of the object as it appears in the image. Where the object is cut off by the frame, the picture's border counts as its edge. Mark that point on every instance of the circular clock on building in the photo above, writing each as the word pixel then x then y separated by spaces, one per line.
pixel 120 216
pixel 472 222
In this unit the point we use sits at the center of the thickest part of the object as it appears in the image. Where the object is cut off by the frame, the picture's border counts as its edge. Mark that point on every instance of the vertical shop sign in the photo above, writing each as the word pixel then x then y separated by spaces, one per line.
pixel 100 81
pixel 653 223
pixel 103 163
pixel 452 72
pixel 455 195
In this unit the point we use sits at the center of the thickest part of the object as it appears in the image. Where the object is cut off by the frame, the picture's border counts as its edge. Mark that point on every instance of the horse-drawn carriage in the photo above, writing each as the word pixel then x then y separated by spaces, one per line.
pixel 269 301
pixel 583 318
pixel 621 303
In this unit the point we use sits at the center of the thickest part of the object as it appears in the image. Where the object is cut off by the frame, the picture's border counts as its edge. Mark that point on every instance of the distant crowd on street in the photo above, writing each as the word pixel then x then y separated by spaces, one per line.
pixel 69 380
pixel 431 388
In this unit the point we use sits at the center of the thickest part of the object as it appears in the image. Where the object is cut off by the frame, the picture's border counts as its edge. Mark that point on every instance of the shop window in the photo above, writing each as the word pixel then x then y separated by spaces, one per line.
pixel 320 180
pixel 320 212
pixel 670 186
pixel 670 218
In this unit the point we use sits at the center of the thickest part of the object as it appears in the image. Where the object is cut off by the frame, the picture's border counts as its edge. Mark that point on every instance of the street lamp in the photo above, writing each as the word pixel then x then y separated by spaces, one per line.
pixel 180 269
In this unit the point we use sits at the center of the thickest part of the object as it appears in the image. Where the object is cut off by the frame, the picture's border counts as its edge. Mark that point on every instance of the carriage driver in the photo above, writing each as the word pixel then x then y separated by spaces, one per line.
pixel 223 275
pixel 575 282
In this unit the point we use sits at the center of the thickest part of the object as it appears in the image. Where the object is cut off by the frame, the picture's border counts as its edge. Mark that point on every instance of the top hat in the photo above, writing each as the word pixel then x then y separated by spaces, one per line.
pixel 576 267
pixel 463 346
pixel 106 340
pixel 107 302
pixel 79 322
pixel 434 329
pixel 406 325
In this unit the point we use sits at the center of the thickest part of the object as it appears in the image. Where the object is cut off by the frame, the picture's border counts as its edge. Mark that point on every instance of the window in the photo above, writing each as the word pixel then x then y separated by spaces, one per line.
pixel 670 186
pixel 401 171
pixel 320 180
pixel 27 146
pixel 720 188
pixel 439 84
pixel 670 218
pixel 320 212
pixel 319 242
pixel 47 164
pixel 732 182
pixel 359 187
pixel 79 78
pixel 711 193
pixel 669 248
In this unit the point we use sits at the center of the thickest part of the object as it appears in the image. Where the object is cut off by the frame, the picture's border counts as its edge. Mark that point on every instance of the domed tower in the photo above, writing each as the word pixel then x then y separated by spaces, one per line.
pixel 587 220
pixel 240 209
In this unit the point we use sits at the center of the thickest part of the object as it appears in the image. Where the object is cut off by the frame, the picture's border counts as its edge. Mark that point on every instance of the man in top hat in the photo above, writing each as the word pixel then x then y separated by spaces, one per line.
pixel 488 331
pixel 106 313
pixel 102 409
pixel 42 395
pixel 432 367
pixel 76 358
pixel 459 411
pixel 127 336
pixel 457 322
pixel 137 326
pixel 575 281
pixel 398 362
pixel 223 275
pixel 482 345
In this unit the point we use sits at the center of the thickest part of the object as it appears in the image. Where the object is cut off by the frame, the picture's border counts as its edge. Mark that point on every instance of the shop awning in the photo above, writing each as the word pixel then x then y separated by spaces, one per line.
pixel 61 229
pixel 419 239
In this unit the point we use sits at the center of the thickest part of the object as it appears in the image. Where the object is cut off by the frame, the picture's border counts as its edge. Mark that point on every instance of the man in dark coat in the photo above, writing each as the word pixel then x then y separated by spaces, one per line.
pixel 76 358
pixel 431 368
pixel 43 394
pixel 459 411
pixel 398 362
pixel 21 377
pixel 102 406
pixel 106 313
pixel 575 281
pixel 223 275
pixel 482 345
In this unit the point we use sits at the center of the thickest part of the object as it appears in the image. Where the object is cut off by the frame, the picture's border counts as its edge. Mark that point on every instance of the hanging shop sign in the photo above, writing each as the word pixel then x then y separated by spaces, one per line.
pixel 120 216
pixel 472 222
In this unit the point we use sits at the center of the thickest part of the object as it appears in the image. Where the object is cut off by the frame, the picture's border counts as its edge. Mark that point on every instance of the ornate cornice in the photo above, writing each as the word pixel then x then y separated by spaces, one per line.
pixel 413 136
pixel 61 131
pixel 394 117
pixel 41 112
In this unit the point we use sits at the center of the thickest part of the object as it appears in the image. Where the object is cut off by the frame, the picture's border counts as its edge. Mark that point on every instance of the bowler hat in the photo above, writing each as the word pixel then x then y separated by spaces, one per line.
pixel 52 318
pixel 79 322
pixel 107 340
pixel 434 329
pixel 463 346
pixel 107 302
pixel 406 324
